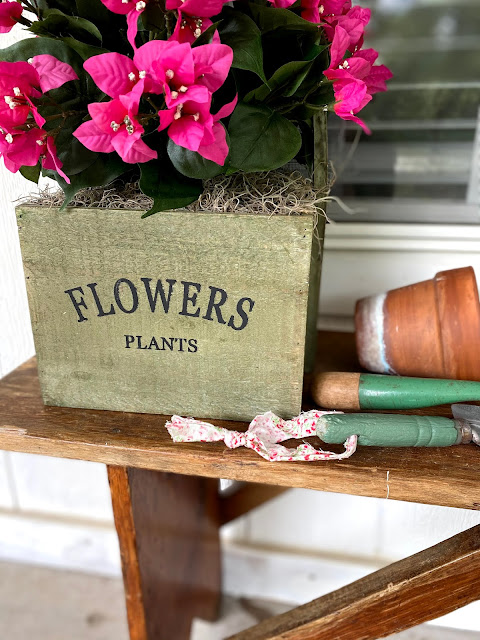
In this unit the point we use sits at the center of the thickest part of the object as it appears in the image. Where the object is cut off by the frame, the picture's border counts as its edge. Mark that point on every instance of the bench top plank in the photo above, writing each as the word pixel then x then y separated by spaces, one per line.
pixel 446 476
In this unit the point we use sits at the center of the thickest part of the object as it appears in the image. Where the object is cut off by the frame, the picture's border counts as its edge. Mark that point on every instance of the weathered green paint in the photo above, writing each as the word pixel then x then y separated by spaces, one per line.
pixel 381 430
pixel 320 182
pixel 393 392
pixel 234 374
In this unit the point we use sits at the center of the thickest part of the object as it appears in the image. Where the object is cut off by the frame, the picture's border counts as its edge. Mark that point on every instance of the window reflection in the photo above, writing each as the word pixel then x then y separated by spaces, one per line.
pixel 424 127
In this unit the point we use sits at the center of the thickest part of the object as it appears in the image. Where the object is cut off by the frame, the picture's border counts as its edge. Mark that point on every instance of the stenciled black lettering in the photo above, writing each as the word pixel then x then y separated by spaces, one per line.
pixel 159 292
pixel 169 342
pixel 242 313
pixel 133 292
pixel 93 287
pixel 139 343
pixel 192 346
pixel 78 303
pixel 129 340
pixel 180 343
pixel 190 298
pixel 213 303
pixel 154 344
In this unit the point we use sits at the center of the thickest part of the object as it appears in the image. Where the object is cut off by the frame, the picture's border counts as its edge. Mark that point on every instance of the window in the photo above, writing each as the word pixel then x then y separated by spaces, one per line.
pixel 421 163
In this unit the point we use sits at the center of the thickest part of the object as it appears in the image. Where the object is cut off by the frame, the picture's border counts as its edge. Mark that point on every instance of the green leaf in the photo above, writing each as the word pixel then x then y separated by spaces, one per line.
pixel 191 164
pixel 31 173
pixel 168 188
pixel 240 32
pixel 153 18
pixel 94 11
pixel 75 157
pixel 57 24
pixel 112 26
pixel 284 82
pixel 261 139
pixel 104 170
pixel 84 50
pixel 270 19
pixel 32 47
pixel 63 5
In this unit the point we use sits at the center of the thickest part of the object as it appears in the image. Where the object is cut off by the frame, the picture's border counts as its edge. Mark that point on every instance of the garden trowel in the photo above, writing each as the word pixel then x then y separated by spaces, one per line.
pixel 341 390
pixel 398 430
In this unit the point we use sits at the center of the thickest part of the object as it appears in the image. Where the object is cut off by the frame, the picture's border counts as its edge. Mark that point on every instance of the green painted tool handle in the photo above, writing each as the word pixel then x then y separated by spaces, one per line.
pixel 384 430
pixel 392 392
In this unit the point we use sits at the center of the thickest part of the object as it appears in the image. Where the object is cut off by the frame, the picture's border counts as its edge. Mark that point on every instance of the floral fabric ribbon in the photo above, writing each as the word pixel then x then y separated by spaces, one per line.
pixel 263 435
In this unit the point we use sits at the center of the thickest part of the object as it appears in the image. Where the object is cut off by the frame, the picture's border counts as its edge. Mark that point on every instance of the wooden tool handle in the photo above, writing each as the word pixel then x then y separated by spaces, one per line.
pixel 336 390
pixel 370 391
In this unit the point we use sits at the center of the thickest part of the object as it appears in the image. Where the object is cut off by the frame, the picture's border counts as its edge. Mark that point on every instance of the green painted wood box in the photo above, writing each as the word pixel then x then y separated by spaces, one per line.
pixel 199 314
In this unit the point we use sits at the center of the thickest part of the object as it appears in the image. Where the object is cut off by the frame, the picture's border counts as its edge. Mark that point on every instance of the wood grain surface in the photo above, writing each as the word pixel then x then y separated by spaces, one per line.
pixel 246 497
pixel 422 587
pixel 336 389
pixel 168 529
pixel 127 537
pixel 443 476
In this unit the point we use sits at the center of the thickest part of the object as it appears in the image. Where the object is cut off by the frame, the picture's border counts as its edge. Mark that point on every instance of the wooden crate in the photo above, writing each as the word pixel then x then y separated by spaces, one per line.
pixel 199 314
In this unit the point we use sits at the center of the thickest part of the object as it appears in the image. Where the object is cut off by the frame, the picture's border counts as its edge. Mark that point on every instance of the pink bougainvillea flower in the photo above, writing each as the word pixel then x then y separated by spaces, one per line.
pixel 212 64
pixel 189 28
pixel 20 82
pixel 351 97
pixel 15 90
pixel 354 23
pixel 182 72
pixel 132 10
pixel 361 66
pixel 378 75
pixel 21 148
pixel 24 148
pixel 199 8
pixel 168 67
pixel 191 125
pixel 282 4
pixel 52 72
pixel 22 141
pixel 339 47
pixel 217 151
pixel 151 57
pixel 10 12
pixel 355 79
pixel 116 74
pixel 50 160
pixel 334 7
pixel 114 127
pixel 173 66
pixel 317 10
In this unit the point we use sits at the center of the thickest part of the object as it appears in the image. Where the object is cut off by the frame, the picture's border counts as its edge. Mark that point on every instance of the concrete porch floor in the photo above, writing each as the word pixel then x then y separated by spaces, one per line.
pixel 37 603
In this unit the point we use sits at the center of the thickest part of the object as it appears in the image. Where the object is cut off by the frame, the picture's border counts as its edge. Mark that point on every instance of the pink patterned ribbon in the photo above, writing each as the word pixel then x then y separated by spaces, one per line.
pixel 263 434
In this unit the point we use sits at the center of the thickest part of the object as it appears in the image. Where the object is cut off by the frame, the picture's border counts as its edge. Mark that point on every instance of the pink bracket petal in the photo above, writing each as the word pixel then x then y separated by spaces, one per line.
pixel 113 73
pixel 53 73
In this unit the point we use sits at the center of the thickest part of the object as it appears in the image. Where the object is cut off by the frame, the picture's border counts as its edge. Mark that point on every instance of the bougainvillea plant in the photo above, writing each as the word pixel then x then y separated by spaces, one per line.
pixel 171 92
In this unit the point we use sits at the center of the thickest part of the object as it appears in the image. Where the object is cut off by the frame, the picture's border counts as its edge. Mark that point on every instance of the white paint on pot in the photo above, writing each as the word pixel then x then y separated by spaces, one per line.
pixel 372 352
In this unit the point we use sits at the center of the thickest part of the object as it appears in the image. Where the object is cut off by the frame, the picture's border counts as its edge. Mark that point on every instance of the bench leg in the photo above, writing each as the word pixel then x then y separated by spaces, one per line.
pixel 168 529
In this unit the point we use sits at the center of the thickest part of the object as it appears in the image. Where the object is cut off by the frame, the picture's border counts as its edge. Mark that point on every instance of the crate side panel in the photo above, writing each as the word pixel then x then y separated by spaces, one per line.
pixel 99 343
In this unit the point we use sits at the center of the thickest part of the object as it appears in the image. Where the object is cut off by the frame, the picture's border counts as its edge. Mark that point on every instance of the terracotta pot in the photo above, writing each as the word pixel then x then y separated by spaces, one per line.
pixel 428 329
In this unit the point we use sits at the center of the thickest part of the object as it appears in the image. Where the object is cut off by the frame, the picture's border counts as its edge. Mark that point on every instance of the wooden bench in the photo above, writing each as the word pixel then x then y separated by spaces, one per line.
pixel 168 512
